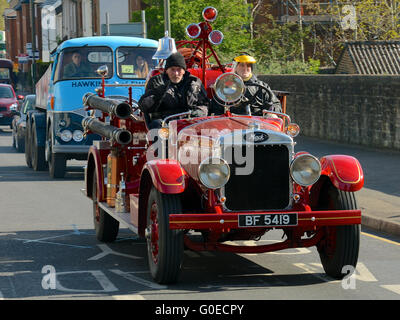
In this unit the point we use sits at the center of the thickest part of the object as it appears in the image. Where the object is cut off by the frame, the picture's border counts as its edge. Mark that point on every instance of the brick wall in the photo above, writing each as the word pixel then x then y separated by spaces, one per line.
pixel 355 109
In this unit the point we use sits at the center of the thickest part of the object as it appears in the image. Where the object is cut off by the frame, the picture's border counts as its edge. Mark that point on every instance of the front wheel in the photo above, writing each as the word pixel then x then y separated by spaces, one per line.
pixel 164 246
pixel 341 244
pixel 57 162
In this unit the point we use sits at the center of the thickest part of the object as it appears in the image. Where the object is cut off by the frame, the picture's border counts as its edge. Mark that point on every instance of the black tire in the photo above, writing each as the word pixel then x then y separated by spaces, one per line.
pixel 164 246
pixel 14 139
pixel 20 144
pixel 106 227
pixel 56 162
pixel 341 245
pixel 57 165
pixel 37 152
pixel 28 157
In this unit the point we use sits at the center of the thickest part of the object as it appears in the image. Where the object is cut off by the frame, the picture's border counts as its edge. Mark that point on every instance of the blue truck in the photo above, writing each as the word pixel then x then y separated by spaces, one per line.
pixel 54 130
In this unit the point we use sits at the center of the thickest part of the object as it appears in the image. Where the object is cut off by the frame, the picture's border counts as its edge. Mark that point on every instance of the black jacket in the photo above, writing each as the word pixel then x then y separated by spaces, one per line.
pixel 163 98
pixel 264 100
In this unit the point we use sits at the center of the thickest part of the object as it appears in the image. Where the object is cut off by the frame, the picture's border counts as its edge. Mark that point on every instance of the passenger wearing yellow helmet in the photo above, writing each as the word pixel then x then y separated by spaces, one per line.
pixel 258 99
pixel 258 95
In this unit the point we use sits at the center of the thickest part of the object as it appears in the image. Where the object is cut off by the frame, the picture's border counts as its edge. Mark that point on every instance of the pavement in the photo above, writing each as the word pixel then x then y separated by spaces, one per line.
pixel 379 199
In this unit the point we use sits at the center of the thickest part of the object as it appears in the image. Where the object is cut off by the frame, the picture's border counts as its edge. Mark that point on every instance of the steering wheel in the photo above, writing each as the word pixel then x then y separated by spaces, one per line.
pixel 260 89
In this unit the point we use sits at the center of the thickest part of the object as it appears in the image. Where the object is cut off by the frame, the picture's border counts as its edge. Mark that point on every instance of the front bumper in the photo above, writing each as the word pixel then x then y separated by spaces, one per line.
pixel 306 219
pixel 70 149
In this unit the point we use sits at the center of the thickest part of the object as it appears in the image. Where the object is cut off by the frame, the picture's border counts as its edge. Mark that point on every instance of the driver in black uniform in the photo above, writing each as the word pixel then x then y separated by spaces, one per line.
pixel 258 98
pixel 174 91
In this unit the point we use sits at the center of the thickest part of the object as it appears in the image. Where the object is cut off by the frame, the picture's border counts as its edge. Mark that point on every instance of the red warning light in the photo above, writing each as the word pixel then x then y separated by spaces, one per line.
pixel 210 14
pixel 216 37
pixel 193 30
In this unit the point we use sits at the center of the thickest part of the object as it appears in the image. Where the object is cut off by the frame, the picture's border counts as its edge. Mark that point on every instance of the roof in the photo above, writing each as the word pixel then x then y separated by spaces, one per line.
pixel 370 57
pixel 113 42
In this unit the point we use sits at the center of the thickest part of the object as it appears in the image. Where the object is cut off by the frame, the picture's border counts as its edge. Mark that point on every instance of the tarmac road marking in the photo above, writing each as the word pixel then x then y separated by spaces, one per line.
pixel 380 238
pixel 129 276
pixel 392 287
pixel 128 297
pixel 362 273
pixel 107 250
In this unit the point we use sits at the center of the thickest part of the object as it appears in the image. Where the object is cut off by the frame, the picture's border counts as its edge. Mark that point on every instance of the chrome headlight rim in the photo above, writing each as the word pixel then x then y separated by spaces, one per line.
pixel 77 136
pixel 318 171
pixel 238 93
pixel 209 161
pixel 66 135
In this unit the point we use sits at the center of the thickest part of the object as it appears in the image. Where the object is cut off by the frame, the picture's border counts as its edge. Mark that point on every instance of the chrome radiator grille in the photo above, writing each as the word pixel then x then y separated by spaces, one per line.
pixel 266 187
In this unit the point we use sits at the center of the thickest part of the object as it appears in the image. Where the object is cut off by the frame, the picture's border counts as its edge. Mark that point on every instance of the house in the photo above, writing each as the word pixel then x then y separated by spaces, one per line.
pixel 20 40
pixel 370 57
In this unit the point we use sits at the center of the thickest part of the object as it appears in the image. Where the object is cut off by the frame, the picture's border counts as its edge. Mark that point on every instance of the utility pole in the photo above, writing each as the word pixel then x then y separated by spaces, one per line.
pixel 301 31
pixel 32 9
pixel 167 20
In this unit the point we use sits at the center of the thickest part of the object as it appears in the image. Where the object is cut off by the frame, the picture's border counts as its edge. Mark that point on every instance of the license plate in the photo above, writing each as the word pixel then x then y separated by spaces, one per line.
pixel 268 220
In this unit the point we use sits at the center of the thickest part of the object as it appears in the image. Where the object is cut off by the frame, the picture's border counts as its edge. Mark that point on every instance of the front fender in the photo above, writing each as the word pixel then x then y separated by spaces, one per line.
pixel 167 176
pixel 94 165
pixel 345 172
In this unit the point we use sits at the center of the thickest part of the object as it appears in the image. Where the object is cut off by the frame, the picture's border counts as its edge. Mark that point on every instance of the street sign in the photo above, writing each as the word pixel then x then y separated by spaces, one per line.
pixel 23 58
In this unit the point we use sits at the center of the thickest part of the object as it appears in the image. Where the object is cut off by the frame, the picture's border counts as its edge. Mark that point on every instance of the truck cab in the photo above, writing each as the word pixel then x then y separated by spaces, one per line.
pixel 55 129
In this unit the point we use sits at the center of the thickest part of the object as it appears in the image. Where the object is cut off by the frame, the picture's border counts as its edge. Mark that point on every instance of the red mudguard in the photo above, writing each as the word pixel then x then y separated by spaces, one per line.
pixel 344 171
pixel 167 175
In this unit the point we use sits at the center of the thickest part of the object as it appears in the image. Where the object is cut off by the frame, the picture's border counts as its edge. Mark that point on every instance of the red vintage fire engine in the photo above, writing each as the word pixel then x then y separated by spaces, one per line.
pixel 226 178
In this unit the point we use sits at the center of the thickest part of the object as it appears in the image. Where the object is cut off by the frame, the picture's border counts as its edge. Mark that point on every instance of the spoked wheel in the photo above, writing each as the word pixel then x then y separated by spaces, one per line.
pixel 106 227
pixel 341 244
pixel 164 246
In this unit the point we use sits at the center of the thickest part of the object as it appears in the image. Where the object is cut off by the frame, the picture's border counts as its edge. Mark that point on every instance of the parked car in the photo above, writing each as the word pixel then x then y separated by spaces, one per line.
pixel 18 124
pixel 8 104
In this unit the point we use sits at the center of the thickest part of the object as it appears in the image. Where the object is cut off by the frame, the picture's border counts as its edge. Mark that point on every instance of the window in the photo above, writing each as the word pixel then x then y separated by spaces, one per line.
pixel 6 92
pixel 29 104
pixel 81 63
pixel 135 62
pixel 4 73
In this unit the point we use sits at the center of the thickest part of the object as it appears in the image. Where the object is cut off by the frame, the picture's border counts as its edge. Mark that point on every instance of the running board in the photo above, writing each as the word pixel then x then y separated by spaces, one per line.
pixel 122 217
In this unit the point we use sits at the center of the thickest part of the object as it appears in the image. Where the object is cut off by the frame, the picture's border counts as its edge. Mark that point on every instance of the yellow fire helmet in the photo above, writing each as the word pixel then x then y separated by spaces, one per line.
pixel 244 57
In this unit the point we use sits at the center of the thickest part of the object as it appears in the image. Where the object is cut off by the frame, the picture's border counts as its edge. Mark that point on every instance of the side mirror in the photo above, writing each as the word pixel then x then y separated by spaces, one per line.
pixel 102 71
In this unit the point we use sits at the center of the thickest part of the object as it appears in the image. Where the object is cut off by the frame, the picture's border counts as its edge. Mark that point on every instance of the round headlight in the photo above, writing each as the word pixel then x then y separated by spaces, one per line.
pixel 77 136
pixel 214 173
pixel 293 130
pixel 66 135
pixel 229 87
pixel 163 133
pixel 305 170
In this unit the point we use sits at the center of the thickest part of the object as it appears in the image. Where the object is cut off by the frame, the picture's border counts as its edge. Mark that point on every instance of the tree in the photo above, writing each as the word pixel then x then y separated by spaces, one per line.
pixel 3 5
pixel 363 20
pixel 233 21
